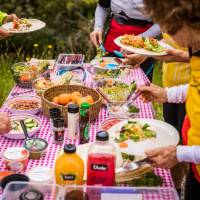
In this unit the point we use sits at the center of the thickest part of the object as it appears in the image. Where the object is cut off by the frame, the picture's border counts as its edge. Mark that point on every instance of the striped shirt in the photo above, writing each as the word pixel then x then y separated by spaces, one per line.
pixel 133 9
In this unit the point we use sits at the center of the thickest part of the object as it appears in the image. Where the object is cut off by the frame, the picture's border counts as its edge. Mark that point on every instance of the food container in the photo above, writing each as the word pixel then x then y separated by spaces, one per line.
pixel 70 61
pixel 51 93
pixel 16 158
pixel 14 177
pixel 36 146
pixel 122 111
pixel 24 104
pixel 41 175
pixel 32 123
pixel 40 85
pixel 24 74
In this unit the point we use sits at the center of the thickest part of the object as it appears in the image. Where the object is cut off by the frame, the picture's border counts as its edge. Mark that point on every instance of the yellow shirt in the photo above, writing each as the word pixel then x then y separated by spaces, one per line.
pixel 175 73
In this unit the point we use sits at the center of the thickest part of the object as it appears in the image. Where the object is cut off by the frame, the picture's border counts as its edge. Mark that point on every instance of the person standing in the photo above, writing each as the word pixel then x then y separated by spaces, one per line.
pixel 126 17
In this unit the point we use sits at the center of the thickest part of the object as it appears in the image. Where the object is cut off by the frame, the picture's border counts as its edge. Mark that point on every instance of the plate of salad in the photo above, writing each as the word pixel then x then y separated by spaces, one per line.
pixel 135 136
pixel 142 45
pixel 24 25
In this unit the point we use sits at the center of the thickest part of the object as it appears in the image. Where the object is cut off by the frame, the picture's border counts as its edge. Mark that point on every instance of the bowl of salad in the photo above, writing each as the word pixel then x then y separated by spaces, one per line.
pixel 24 74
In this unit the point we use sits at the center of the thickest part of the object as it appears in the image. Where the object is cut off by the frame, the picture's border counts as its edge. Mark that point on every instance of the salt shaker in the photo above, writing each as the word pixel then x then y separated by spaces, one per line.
pixel 73 121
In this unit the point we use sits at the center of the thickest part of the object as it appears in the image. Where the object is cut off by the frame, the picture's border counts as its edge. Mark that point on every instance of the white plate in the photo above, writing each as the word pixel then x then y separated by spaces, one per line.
pixel 165 135
pixel 141 51
pixel 21 98
pixel 36 25
pixel 17 136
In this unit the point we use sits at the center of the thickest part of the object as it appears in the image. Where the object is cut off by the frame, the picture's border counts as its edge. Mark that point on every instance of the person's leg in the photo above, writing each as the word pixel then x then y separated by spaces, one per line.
pixel 148 66
pixel 192 188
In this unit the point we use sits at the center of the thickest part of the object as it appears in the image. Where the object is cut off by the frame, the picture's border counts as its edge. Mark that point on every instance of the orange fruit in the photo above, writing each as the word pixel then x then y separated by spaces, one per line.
pixel 75 96
pixel 90 99
pixel 82 100
pixel 55 100
pixel 64 99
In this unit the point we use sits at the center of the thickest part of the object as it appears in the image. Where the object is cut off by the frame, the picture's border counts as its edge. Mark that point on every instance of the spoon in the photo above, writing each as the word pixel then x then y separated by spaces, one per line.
pixel 118 53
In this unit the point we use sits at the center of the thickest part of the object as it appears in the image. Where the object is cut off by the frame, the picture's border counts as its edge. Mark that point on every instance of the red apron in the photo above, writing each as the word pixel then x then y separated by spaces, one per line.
pixel 117 30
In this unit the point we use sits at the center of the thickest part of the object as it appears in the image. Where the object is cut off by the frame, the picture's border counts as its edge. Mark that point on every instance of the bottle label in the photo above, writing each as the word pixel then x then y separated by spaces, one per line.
pixel 68 178
pixel 86 132
pixel 99 167
pixel 59 136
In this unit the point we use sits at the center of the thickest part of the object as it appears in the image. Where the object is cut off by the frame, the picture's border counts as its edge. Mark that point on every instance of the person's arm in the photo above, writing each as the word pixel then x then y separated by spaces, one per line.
pixel 100 18
pixel 101 14
pixel 177 94
pixel 189 154
pixel 2 17
pixel 153 31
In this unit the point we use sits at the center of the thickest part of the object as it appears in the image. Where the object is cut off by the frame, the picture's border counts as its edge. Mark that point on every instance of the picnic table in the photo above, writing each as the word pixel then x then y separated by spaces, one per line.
pixel 146 111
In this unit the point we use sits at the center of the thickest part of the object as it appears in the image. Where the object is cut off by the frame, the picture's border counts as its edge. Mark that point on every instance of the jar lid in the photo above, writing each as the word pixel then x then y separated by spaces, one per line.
pixel 15 153
pixel 31 195
pixel 58 122
pixel 102 136
pixel 85 105
pixel 73 108
pixel 54 112
pixel 69 148
pixel 40 174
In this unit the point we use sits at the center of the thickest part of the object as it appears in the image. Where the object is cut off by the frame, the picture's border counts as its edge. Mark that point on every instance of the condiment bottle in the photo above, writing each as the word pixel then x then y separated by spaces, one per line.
pixel 73 121
pixel 69 167
pixel 58 130
pixel 101 161
pixel 84 123
pixel 54 113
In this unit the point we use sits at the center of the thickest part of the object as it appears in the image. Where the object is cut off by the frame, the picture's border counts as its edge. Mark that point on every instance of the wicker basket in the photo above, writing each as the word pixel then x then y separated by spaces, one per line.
pixel 50 93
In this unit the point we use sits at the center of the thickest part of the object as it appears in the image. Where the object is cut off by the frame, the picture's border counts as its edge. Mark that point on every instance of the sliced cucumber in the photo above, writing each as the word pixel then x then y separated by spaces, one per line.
pixel 28 120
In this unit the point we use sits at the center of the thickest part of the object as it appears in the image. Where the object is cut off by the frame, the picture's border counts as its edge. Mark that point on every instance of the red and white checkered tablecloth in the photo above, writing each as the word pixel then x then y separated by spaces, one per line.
pixel 146 111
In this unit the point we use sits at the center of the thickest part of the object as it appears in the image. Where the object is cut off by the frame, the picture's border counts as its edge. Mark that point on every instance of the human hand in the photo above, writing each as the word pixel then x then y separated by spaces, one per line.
pixel 174 55
pixel 152 93
pixel 164 157
pixel 134 59
pixel 4 33
pixel 96 37
pixel 5 125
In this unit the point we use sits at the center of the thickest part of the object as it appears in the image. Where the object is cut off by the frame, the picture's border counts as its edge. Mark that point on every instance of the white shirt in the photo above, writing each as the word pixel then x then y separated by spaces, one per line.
pixel 132 8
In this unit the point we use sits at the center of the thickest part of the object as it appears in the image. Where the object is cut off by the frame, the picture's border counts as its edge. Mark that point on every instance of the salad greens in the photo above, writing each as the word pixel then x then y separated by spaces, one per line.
pixel 117 91
pixel 153 45
pixel 135 131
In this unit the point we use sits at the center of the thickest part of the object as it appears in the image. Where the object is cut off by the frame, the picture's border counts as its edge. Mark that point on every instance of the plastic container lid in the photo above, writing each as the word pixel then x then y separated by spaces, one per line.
pixel 102 136
pixel 15 153
pixel 40 175
pixel 31 195
pixel 69 148
pixel 73 108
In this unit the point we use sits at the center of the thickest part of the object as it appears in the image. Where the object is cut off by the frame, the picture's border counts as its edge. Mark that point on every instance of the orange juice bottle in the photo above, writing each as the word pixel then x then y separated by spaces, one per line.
pixel 69 167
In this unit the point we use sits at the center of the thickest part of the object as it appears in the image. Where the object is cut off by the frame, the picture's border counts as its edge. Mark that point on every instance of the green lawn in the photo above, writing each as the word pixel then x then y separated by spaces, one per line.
pixel 7 82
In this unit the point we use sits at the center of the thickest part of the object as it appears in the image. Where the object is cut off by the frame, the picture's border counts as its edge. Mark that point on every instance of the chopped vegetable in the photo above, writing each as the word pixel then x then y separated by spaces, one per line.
pixel 123 145
pixel 135 131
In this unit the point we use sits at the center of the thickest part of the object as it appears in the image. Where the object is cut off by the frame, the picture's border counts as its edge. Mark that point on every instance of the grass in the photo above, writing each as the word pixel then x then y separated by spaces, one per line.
pixel 7 82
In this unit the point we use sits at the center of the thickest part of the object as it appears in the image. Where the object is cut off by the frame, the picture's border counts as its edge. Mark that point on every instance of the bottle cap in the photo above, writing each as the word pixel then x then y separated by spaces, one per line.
pixel 73 108
pixel 85 105
pixel 55 112
pixel 58 122
pixel 69 148
pixel 102 136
